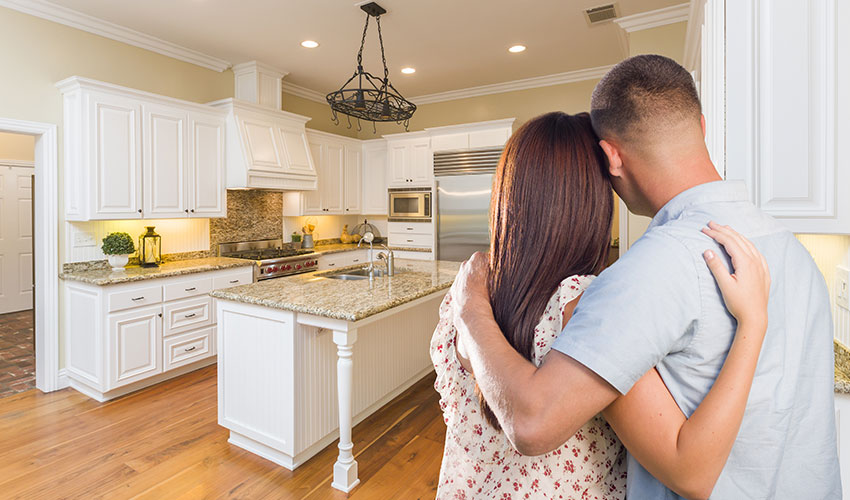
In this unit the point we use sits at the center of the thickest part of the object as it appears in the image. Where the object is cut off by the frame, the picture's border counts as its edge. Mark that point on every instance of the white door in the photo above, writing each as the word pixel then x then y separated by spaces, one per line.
pixel 399 157
pixel 15 239
pixel 164 160
pixel 206 167
pixel 135 345
pixel 420 164
pixel 374 181
pixel 353 180
pixel 115 152
pixel 332 179
pixel 311 201
pixel 261 138
pixel 295 144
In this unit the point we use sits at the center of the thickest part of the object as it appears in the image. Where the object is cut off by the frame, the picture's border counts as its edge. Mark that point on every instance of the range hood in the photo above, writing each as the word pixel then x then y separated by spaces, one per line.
pixel 266 148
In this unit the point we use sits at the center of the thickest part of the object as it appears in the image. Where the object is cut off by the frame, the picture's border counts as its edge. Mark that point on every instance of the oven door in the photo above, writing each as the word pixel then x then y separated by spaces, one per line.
pixel 410 205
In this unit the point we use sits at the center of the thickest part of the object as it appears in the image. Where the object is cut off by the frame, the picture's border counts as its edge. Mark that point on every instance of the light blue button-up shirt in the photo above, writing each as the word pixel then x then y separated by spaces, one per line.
pixel 660 306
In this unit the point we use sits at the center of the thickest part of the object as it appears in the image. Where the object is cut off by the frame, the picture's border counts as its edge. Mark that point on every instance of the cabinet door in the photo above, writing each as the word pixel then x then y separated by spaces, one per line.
pixel 135 345
pixel 331 180
pixel 164 161
pixel 262 144
pixel 311 201
pixel 398 157
pixel 207 191
pixel 374 181
pixel 115 152
pixel 353 186
pixel 295 146
pixel 421 171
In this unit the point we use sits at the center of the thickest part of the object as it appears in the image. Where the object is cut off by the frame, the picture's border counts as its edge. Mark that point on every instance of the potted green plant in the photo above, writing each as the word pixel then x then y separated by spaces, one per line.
pixel 118 247
pixel 296 240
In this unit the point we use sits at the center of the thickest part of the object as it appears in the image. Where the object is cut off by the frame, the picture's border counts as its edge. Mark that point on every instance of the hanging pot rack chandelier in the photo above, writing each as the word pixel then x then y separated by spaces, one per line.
pixel 367 97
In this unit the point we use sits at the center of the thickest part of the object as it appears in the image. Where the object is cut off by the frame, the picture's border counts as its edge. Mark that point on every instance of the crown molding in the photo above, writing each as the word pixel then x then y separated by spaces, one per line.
pixel 524 84
pixel 303 92
pixel 17 163
pixel 90 24
pixel 654 18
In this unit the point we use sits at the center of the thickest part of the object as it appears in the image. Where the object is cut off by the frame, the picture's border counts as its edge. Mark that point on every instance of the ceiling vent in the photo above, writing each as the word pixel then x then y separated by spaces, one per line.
pixel 601 14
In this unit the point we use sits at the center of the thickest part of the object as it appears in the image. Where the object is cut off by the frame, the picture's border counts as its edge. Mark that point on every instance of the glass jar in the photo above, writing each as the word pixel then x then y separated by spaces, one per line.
pixel 150 248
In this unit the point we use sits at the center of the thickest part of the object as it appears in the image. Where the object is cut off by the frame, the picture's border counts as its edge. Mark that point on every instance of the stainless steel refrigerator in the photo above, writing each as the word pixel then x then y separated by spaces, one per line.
pixel 464 180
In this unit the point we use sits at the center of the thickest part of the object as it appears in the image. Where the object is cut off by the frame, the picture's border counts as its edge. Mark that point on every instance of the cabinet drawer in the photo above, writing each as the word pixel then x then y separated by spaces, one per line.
pixel 135 298
pixel 187 348
pixel 411 240
pixel 243 277
pixel 187 314
pixel 343 259
pixel 188 288
pixel 410 227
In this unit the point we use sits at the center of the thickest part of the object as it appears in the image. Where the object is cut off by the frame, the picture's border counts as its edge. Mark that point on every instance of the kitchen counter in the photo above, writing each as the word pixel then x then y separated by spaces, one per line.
pixel 348 247
pixel 842 368
pixel 107 276
pixel 346 300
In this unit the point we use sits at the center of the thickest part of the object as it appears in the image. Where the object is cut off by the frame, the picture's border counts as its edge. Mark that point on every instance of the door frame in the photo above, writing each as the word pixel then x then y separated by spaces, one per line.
pixel 45 248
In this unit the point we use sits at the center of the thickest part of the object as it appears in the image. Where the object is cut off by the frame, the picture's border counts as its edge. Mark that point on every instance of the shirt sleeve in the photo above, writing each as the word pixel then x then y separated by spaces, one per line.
pixel 636 312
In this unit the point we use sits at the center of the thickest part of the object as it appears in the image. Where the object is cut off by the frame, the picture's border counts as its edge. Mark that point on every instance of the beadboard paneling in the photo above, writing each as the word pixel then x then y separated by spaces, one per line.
pixel 830 251
pixel 178 236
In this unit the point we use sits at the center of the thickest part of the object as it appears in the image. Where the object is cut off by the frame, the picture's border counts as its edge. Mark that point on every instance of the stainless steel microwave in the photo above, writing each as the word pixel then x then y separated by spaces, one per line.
pixel 410 204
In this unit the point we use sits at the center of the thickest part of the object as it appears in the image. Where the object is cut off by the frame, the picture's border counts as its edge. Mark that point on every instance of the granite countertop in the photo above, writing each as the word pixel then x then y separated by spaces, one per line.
pixel 347 247
pixel 347 300
pixel 135 273
pixel 842 368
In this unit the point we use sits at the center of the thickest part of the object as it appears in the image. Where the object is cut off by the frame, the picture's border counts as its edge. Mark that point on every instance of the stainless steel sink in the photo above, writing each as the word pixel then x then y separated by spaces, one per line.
pixel 355 274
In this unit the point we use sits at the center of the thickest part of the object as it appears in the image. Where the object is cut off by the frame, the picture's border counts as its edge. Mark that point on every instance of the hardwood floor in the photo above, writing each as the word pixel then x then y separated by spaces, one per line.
pixel 17 359
pixel 164 443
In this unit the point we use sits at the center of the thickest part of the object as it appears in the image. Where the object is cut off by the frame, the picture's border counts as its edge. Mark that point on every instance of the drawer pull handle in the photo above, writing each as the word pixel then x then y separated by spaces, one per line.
pixel 138 298
pixel 410 241
pixel 234 281
pixel 331 265
pixel 410 229
pixel 356 260
pixel 188 349
pixel 190 315
pixel 190 289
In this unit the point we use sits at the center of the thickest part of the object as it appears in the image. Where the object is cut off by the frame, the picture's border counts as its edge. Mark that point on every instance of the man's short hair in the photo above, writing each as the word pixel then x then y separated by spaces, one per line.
pixel 643 95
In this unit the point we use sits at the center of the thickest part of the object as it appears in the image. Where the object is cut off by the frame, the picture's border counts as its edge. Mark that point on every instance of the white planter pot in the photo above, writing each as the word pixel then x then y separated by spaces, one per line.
pixel 118 261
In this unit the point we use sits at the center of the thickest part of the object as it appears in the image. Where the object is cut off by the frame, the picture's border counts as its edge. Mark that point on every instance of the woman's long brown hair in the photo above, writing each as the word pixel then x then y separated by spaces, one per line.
pixel 550 218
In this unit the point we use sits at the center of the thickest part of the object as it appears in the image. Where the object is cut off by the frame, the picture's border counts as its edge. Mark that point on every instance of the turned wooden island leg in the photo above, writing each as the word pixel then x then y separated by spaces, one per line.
pixel 345 468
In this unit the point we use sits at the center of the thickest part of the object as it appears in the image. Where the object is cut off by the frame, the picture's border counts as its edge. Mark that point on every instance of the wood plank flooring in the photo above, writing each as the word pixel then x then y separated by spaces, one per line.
pixel 164 443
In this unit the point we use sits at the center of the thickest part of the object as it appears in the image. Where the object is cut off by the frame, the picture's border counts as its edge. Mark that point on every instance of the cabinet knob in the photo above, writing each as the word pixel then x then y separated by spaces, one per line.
pixel 187 210
pixel 140 210
pixel 193 210
pixel 160 315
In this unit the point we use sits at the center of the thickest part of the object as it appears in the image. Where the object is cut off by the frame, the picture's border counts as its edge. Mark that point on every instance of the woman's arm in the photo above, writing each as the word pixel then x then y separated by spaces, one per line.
pixel 688 454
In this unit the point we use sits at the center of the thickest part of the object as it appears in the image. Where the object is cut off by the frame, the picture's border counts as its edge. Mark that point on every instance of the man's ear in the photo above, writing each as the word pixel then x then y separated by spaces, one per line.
pixel 615 163
pixel 702 122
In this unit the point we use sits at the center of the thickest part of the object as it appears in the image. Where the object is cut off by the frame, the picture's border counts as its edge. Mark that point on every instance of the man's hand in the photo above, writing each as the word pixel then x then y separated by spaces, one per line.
pixel 470 298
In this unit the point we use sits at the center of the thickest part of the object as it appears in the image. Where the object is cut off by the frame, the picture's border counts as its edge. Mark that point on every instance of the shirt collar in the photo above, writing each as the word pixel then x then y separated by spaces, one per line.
pixel 710 192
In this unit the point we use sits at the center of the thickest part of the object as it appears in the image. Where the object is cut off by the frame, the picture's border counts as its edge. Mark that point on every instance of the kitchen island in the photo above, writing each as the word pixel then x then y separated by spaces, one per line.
pixel 304 358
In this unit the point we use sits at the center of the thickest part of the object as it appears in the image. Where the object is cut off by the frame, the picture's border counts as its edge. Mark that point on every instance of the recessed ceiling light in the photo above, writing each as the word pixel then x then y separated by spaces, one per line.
pixel 408 70
pixel 310 44
pixel 517 48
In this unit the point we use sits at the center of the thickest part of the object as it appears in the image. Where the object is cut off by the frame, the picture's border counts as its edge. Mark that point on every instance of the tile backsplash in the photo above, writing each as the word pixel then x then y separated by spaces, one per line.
pixel 251 215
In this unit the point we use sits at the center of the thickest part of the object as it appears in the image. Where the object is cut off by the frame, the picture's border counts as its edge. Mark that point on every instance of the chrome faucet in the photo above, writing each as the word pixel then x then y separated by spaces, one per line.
pixel 369 238
pixel 389 258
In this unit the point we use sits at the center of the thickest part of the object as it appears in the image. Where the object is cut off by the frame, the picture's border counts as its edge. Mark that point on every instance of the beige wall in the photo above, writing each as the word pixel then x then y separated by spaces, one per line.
pixel 18 147
pixel 320 114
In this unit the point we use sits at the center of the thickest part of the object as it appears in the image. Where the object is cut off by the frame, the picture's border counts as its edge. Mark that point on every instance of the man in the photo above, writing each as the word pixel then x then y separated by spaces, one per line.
pixel 659 306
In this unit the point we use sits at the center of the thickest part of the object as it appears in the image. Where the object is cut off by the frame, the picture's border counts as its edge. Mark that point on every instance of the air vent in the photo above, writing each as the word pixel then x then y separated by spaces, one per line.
pixel 601 14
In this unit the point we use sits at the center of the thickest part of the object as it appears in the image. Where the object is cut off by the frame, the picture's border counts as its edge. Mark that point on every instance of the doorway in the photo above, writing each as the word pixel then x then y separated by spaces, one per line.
pixel 17 339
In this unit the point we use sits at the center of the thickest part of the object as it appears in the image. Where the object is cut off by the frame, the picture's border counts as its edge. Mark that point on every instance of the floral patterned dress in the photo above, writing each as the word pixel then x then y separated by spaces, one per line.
pixel 480 462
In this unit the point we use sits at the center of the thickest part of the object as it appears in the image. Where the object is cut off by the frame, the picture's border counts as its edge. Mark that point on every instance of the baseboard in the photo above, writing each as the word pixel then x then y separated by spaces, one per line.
pixel 63 381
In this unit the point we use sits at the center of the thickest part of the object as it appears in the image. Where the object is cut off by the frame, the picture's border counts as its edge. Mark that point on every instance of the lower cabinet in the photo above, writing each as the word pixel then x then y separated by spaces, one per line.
pixel 842 428
pixel 123 337
pixel 344 259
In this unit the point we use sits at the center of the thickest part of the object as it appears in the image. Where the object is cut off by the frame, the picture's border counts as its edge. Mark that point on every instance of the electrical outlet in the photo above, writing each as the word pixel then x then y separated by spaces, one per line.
pixel 83 239
pixel 842 287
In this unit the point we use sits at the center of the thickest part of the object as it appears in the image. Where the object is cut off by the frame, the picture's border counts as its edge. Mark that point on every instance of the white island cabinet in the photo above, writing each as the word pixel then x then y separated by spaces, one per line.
pixel 302 359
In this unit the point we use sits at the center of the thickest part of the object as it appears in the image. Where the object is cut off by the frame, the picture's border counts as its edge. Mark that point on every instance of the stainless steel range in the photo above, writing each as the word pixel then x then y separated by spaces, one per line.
pixel 272 259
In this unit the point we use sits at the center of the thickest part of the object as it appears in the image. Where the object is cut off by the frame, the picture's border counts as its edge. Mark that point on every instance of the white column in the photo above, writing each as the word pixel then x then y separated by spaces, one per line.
pixel 345 468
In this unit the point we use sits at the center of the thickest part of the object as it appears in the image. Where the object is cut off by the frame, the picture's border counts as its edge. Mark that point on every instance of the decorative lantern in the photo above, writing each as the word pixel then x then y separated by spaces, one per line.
pixel 150 248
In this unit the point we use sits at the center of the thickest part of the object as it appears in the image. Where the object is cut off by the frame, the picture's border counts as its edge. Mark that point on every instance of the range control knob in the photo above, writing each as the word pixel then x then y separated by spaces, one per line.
pixel 272 269
pixel 298 266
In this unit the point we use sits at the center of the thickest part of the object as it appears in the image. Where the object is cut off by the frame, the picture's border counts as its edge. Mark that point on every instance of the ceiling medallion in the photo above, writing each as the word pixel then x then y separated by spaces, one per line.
pixel 367 97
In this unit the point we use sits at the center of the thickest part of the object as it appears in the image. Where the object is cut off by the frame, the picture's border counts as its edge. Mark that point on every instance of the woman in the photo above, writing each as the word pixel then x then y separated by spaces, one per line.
pixel 550 221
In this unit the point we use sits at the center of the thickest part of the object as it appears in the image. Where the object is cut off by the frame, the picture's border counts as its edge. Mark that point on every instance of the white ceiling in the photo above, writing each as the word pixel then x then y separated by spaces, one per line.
pixel 453 44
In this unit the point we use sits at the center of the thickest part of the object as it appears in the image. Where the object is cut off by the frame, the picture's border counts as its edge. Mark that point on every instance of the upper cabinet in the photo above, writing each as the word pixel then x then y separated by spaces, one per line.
pixel 374 177
pixel 409 160
pixel 489 134
pixel 131 155
pixel 783 108
pixel 338 163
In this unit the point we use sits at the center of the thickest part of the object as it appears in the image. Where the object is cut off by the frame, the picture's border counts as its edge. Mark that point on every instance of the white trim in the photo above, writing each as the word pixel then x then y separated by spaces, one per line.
pixel 624 227
pixel 654 18
pixel 302 92
pixel 90 24
pixel 469 127
pixel 524 84
pixel 693 35
pixel 64 381
pixel 17 163
pixel 46 249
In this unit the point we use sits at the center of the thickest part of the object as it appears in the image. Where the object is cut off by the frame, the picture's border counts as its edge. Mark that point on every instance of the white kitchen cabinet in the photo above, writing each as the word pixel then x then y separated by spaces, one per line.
pixel 353 180
pixel 489 134
pixel 332 179
pixel 374 177
pixel 409 161
pixel 126 336
pixel 135 345
pixel 130 154
pixel 310 201
pixel 786 106
pixel 344 259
